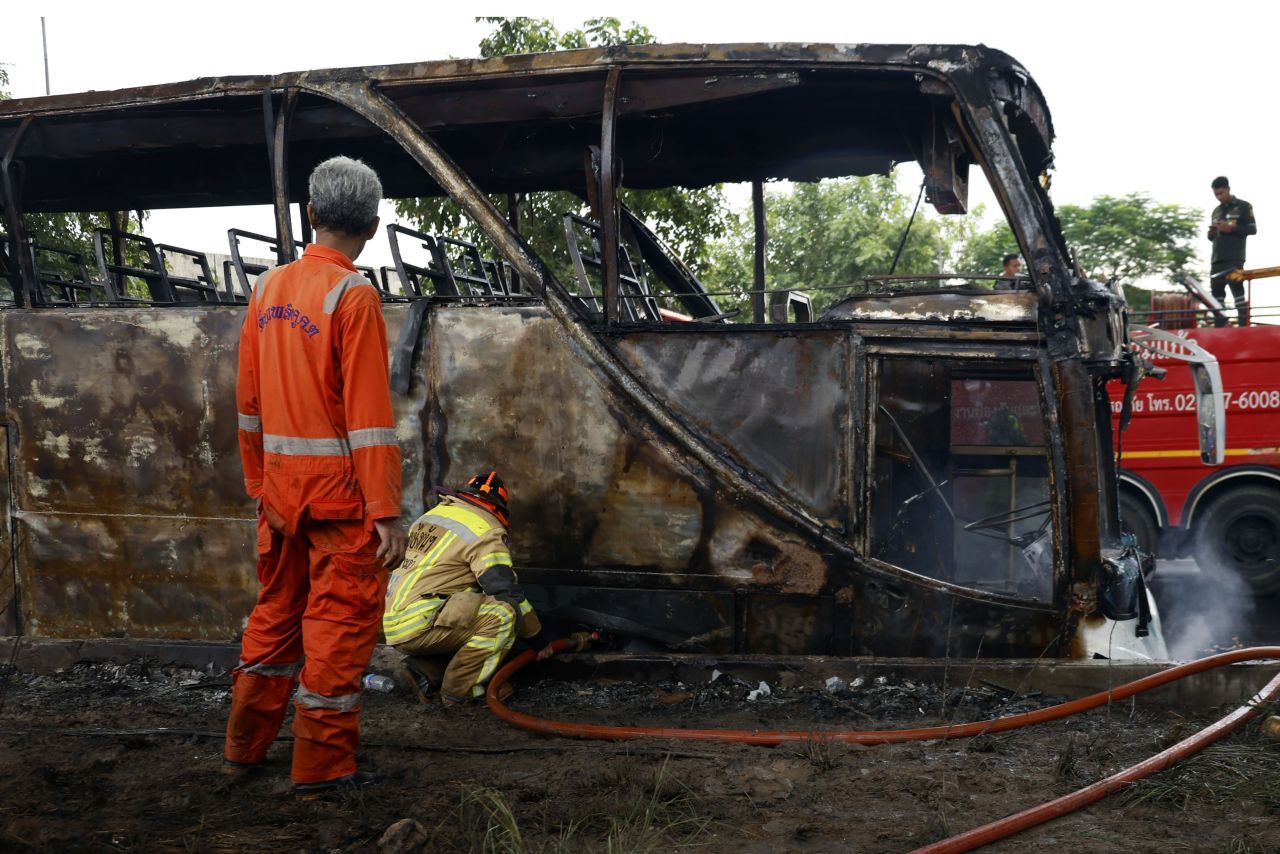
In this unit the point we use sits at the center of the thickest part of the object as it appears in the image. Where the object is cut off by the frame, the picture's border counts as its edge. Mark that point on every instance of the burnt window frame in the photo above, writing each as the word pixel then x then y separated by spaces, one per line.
pixel 1002 360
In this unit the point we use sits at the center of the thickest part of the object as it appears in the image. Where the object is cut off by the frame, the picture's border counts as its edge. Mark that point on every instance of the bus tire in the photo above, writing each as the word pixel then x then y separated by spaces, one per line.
pixel 1239 533
pixel 1136 516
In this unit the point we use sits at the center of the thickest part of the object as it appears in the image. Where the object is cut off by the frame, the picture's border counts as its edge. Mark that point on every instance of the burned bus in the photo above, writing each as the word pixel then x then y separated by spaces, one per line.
pixel 923 467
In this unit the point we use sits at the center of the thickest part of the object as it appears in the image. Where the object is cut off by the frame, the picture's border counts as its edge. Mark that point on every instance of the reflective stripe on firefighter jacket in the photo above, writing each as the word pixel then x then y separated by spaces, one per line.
pixel 317 433
pixel 453 547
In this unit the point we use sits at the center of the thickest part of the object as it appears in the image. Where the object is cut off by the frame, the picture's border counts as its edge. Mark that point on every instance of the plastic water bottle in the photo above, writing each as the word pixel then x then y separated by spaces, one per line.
pixel 378 683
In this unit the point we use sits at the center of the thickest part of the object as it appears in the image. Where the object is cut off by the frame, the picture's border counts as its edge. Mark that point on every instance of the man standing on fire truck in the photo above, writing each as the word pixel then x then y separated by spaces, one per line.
pixel 1231 223
pixel 318 444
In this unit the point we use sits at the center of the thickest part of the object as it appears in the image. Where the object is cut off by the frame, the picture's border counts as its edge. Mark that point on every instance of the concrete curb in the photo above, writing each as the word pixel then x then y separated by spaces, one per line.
pixel 1198 694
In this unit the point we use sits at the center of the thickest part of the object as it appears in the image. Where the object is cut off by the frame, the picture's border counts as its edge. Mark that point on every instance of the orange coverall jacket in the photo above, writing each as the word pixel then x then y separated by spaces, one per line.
pixel 318 445
pixel 324 444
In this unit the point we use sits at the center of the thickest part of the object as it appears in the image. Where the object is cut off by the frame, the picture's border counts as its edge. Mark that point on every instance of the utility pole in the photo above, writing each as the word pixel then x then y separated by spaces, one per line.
pixel 44 39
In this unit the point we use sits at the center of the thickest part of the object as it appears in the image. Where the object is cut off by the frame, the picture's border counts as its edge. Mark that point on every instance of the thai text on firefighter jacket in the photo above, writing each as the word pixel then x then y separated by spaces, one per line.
pixel 317 433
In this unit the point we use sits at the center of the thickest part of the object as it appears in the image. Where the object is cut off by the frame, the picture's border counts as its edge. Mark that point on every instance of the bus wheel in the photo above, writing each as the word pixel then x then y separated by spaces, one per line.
pixel 1136 516
pixel 1240 533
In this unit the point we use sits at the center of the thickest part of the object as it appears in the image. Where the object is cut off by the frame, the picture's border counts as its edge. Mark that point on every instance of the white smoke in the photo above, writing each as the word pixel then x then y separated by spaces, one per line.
pixel 1210 612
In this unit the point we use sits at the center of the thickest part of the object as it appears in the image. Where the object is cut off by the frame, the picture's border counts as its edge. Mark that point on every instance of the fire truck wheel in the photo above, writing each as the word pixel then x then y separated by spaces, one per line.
pixel 1136 516
pixel 1240 533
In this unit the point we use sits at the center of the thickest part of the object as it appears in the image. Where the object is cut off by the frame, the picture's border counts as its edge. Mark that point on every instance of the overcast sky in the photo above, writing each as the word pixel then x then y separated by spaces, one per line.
pixel 1150 97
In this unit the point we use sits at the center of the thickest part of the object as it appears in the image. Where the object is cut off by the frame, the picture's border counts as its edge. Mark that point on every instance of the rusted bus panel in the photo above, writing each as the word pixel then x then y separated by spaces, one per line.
pixel 606 507
pixel 619 528
pixel 411 425
pixel 133 411
pixel 124 411
pixel 777 401
pixel 9 605
pixel 886 617
pixel 127 486
pixel 127 489
pixel 589 486
pixel 110 575
pixel 799 624
pixel 594 485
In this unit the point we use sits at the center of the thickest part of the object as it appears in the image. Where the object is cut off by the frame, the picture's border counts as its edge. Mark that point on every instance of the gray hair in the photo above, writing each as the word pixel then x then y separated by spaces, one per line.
pixel 344 195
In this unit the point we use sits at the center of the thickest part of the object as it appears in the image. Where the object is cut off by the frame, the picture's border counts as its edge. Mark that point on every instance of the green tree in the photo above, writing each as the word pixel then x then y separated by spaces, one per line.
pixel 1131 237
pixel 826 236
pixel 540 35
pixel 1128 238
pixel 982 252
pixel 687 220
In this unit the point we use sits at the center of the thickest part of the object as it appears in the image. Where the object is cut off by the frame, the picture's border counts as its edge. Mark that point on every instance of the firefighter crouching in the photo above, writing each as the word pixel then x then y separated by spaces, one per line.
pixel 319 449
pixel 456 595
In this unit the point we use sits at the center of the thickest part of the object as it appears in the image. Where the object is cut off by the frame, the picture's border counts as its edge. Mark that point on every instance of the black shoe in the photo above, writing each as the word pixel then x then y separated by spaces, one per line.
pixel 349 783
pixel 239 770
pixel 450 701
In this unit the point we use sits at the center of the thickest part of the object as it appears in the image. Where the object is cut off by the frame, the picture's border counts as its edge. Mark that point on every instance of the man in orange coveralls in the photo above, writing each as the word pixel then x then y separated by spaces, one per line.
pixel 318 443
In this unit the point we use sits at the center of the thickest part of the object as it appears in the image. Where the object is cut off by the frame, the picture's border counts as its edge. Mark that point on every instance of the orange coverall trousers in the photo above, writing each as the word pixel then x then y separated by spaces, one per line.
pixel 322 597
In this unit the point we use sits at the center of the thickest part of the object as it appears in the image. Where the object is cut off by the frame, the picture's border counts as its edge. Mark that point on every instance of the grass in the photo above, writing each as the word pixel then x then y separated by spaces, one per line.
pixel 1242 769
pixel 1240 845
pixel 822 753
pixel 649 816
pixel 489 822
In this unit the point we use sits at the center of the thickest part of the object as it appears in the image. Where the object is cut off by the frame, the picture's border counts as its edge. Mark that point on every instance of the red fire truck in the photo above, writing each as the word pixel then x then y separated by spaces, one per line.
pixel 1226 515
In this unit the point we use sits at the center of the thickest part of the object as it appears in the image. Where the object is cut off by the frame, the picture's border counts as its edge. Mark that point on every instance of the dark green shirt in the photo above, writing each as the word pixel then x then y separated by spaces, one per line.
pixel 1230 247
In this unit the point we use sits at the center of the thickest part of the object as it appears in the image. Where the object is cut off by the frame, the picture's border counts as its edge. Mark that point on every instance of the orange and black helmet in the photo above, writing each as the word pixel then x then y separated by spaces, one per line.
pixel 489 489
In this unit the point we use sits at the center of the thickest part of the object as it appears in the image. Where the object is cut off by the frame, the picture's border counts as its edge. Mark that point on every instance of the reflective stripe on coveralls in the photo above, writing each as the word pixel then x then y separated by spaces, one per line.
pixel 342 446
pixel 414 620
pixel 335 294
pixel 466 524
pixel 499 643
pixel 309 699
pixel 406 582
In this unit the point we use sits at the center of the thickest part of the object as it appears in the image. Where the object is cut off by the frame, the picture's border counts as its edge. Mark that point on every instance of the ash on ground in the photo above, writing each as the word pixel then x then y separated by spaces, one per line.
pixel 170 687
pixel 862 702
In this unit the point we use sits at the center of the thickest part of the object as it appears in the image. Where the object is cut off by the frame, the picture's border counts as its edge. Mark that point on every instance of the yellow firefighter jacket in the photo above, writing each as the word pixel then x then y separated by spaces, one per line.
pixel 453 547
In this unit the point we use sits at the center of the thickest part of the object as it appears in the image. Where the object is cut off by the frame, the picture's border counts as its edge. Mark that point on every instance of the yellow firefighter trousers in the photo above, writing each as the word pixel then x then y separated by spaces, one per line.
pixel 477 649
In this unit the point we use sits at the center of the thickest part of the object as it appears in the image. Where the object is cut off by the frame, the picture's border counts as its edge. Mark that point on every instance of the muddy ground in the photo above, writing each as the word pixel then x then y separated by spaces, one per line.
pixel 125 757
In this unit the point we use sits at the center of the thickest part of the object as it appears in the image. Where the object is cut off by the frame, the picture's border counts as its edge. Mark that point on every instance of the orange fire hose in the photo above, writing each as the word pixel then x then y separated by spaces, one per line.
pixel 889 736
pixel 1010 825
pixel 978 836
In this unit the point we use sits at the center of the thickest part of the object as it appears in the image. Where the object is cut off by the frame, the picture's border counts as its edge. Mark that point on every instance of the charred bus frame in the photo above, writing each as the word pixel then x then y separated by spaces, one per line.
pixel 697 484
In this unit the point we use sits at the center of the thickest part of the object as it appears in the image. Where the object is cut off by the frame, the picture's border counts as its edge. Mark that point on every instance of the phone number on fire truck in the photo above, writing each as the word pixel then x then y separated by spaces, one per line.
pixel 1186 402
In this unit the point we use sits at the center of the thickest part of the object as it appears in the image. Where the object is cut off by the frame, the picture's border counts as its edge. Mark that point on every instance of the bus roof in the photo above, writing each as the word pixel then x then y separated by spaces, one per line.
pixel 688 115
